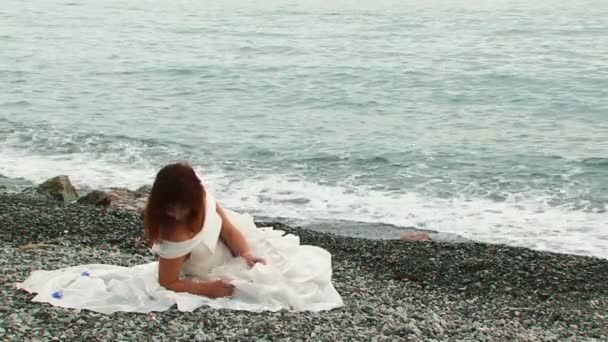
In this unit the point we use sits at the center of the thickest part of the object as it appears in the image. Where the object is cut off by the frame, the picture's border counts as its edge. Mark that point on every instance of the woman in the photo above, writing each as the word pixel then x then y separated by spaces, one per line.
pixel 208 255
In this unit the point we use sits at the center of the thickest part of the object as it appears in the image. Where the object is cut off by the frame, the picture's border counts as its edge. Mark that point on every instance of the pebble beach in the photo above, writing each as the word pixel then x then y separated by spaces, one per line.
pixel 393 290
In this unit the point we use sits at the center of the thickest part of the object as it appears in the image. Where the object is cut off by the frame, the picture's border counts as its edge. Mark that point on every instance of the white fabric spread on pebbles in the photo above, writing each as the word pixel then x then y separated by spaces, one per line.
pixel 295 277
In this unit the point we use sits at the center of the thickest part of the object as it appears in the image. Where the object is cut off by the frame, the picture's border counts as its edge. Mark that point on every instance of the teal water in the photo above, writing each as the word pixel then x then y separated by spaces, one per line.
pixel 486 119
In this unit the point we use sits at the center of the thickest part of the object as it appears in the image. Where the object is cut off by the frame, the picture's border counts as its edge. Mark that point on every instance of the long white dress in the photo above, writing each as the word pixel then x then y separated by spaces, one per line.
pixel 296 277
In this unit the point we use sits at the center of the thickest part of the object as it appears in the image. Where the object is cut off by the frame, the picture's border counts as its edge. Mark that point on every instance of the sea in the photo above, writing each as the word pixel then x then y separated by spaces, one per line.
pixel 483 119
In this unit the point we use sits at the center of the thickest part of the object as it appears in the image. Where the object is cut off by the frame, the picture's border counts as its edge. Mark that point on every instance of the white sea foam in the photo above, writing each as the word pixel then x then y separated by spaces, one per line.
pixel 84 169
pixel 518 221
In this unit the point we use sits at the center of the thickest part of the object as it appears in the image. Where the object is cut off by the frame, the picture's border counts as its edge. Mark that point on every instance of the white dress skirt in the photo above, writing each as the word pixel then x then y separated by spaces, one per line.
pixel 296 277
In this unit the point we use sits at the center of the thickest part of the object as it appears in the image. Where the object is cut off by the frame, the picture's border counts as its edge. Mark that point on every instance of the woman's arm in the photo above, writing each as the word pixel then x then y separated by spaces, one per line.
pixel 235 240
pixel 231 235
pixel 168 276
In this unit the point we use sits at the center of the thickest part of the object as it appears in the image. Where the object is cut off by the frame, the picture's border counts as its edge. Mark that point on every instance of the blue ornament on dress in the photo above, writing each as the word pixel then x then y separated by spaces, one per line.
pixel 57 294
pixel 85 274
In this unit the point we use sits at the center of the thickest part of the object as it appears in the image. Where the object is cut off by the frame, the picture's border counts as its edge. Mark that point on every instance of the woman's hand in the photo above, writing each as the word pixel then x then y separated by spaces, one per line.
pixel 217 289
pixel 169 277
pixel 252 259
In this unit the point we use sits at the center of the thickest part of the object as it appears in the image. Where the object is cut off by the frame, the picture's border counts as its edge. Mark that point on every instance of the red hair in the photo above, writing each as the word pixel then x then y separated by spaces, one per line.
pixel 175 184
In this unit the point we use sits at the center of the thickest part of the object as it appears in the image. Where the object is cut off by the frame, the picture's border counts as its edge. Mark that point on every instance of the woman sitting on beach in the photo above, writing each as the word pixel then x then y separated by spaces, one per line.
pixel 208 255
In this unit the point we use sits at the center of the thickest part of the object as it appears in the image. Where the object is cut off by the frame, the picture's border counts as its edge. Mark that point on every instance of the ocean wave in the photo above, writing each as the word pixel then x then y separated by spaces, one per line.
pixel 338 158
pixel 37 152
pixel 43 138
pixel 595 161
pixel 528 221
pixel 21 103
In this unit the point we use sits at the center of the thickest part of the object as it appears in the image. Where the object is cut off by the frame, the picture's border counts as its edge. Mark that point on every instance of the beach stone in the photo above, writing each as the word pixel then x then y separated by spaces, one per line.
pixel 117 198
pixel 126 199
pixel 59 188
pixel 96 198
pixel 146 189
pixel 415 236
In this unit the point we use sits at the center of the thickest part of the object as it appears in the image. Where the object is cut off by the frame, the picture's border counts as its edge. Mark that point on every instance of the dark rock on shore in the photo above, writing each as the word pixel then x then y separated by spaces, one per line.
pixel 126 199
pixel 116 198
pixel 59 188
pixel 96 198
pixel 146 189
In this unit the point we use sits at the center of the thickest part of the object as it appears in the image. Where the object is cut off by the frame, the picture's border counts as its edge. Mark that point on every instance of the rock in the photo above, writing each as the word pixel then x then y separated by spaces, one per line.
pixel 415 236
pixel 146 189
pixel 96 198
pixel 128 199
pixel 408 276
pixel 407 329
pixel 59 188
pixel 31 191
pixel 30 246
pixel 118 198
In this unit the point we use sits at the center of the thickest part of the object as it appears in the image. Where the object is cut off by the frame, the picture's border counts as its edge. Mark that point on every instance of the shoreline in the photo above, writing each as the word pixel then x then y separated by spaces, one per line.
pixel 367 230
pixel 393 290
pixel 134 199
